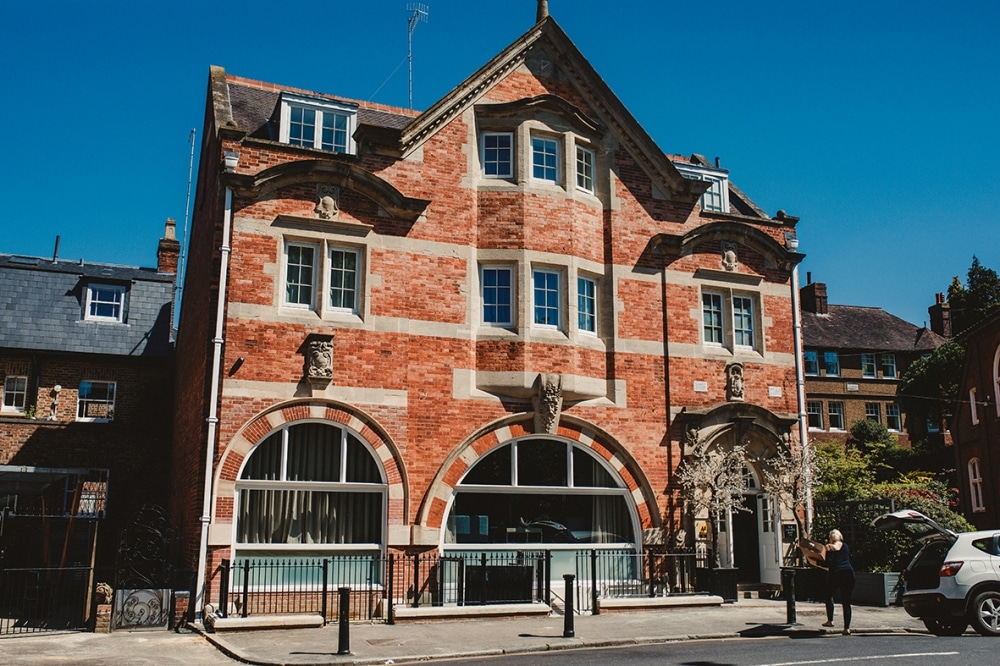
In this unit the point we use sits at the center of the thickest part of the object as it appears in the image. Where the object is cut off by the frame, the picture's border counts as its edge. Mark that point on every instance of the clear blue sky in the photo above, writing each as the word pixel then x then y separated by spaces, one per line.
pixel 875 122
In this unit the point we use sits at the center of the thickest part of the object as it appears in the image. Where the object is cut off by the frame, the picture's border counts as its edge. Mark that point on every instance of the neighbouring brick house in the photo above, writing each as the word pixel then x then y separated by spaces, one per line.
pixel 459 328
pixel 975 425
pixel 853 359
pixel 86 354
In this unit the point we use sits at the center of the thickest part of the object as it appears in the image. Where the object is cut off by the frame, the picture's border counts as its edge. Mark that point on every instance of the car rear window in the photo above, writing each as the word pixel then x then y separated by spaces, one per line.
pixel 987 545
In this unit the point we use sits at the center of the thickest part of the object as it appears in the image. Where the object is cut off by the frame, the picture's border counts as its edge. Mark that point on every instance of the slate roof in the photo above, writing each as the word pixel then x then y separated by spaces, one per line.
pixel 856 327
pixel 41 308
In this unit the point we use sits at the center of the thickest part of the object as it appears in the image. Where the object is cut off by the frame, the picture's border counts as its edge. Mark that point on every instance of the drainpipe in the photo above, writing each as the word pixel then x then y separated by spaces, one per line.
pixel 792 243
pixel 213 418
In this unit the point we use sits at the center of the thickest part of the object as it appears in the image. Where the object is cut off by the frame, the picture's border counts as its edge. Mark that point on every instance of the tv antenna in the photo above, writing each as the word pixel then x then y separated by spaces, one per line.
pixel 418 13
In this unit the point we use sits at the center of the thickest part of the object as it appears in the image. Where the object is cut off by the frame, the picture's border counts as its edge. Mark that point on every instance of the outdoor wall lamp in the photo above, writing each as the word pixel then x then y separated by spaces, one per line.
pixel 231 160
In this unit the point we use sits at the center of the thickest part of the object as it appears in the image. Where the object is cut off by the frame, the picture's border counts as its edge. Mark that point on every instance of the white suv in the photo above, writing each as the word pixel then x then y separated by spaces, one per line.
pixel 954 579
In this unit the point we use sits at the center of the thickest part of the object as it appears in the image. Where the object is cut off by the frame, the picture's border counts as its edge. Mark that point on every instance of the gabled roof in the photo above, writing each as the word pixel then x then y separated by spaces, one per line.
pixel 41 308
pixel 865 328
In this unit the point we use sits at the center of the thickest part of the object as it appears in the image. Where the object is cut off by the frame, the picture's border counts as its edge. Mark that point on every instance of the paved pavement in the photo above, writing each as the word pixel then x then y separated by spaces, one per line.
pixel 421 641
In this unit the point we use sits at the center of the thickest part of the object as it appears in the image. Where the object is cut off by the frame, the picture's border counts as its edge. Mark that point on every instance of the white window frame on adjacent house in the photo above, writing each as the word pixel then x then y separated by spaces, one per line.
pixel 495 295
pixel 497 159
pixel 810 362
pixel 831 360
pixel 344 281
pixel 893 417
pixel 835 413
pixel 873 411
pixel 105 302
pixel 100 409
pixel 586 304
pixel 546 298
pixel 297 282
pixel 585 158
pixel 814 411
pixel 325 116
pixel 716 198
pixel 976 487
pixel 15 393
pixel 868 368
pixel 545 159
pixel 889 366
pixel 973 407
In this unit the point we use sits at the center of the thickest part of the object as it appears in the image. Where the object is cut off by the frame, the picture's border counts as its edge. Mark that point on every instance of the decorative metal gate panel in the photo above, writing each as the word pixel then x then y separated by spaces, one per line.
pixel 142 594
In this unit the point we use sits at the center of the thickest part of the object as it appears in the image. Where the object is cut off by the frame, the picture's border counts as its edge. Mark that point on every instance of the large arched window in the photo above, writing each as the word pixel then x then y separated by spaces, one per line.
pixel 310 486
pixel 541 491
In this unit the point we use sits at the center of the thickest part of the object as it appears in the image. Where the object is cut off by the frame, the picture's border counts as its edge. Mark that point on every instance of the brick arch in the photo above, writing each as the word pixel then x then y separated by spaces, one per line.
pixel 263 424
pixel 495 434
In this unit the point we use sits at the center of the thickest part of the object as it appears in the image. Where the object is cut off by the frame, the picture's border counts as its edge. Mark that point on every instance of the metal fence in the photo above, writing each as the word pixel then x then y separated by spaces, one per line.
pixel 44 599
pixel 609 574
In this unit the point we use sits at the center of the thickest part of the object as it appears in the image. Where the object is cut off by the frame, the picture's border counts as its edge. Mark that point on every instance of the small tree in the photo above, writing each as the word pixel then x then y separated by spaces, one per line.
pixel 789 476
pixel 713 481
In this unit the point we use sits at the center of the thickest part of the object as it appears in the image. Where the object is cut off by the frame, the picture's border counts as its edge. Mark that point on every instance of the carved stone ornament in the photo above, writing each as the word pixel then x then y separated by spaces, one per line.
pixel 548 403
pixel 730 258
pixel 320 363
pixel 328 206
pixel 734 382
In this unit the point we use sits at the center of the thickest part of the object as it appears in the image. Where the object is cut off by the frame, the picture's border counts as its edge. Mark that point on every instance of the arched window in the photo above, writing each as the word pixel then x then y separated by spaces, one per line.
pixel 541 491
pixel 996 379
pixel 976 486
pixel 310 486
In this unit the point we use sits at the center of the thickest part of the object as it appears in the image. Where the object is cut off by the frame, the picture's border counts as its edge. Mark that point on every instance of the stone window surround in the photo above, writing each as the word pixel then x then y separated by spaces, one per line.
pixel 324 243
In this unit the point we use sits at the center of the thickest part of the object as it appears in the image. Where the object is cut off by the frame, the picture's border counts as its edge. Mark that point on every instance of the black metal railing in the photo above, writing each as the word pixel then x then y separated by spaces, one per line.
pixel 44 599
pixel 608 574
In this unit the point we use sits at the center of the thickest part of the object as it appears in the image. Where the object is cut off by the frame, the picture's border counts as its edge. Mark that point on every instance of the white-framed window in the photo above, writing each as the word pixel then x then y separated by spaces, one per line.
pixel 893 418
pixel 835 413
pixel 497 149
pixel 15 393
pixel 584 169
pixel 873 411
pixel 888 365
pixel 586 304
pixel 868 366
pixel 300 275
pixel 105 302
pixel 310 486
pixel 95 401
pixel 716 197
pixel 976 486
pixel 315 123
pixel 544 159
pixel 831 360
pixel 344 263
pixel 498 295
pixel 814 410
pixel 712 318
pixel 546 298
pixel 810 359
pixel 743 321
pixel 973 407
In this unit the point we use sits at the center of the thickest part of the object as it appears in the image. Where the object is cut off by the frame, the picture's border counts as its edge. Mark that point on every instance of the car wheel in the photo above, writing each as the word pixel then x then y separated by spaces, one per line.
pixel 986 614
pixel 942 627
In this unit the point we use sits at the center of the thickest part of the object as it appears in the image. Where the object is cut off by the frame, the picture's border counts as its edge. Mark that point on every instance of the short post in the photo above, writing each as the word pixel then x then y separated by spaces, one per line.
pixel 568 631
pixel 595 604
pixel 344 615
pixel 788 583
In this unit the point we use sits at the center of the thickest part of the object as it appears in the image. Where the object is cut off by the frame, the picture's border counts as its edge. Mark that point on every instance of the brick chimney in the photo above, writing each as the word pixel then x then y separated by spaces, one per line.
pixel 940 315
pixel 168 252
pixel 813 296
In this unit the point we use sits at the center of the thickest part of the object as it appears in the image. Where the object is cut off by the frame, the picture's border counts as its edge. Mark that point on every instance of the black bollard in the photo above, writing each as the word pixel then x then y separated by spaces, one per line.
pixel 788 583
pixel 568 631
pixel 344 616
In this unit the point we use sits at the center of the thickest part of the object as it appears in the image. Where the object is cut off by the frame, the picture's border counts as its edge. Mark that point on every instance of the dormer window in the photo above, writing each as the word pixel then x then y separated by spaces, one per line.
pixel 498 154
pixel 716 197
pixel 317 123
pixel 105 302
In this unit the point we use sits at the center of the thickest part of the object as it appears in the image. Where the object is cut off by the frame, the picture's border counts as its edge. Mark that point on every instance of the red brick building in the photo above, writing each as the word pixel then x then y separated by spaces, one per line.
pixel 470 325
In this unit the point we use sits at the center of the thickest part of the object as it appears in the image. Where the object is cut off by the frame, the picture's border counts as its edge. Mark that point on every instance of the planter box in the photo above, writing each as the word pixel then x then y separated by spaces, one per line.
pixel 877 589
pixel 720 582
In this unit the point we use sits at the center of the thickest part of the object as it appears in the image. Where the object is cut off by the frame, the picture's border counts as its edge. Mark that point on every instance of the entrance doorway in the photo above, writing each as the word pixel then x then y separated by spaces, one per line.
pixel 746 542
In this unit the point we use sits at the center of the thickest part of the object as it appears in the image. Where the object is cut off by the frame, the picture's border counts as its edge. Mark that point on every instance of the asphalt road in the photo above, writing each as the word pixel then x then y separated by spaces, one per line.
pixel 870 650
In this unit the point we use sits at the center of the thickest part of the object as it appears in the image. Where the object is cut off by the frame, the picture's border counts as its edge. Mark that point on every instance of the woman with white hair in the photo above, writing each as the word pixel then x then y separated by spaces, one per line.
pixel 840 576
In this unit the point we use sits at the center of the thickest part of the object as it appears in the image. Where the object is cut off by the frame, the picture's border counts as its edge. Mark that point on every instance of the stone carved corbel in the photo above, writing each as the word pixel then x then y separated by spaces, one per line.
pixel 319 360
pixel 730 257
pixel 328 206
pixel 548 403
pixel 734 382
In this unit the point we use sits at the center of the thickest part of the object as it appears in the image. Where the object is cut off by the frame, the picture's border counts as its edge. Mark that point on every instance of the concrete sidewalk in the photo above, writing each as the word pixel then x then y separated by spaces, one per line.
pixel 413 641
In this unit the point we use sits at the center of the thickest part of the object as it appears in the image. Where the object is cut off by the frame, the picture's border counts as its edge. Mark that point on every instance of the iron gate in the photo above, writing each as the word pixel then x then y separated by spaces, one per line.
pixel 142 574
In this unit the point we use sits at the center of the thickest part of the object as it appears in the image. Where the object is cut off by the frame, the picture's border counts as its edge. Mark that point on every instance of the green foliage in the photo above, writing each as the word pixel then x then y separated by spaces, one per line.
pixel 929 386
pixel 843 474
pixel 972 302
